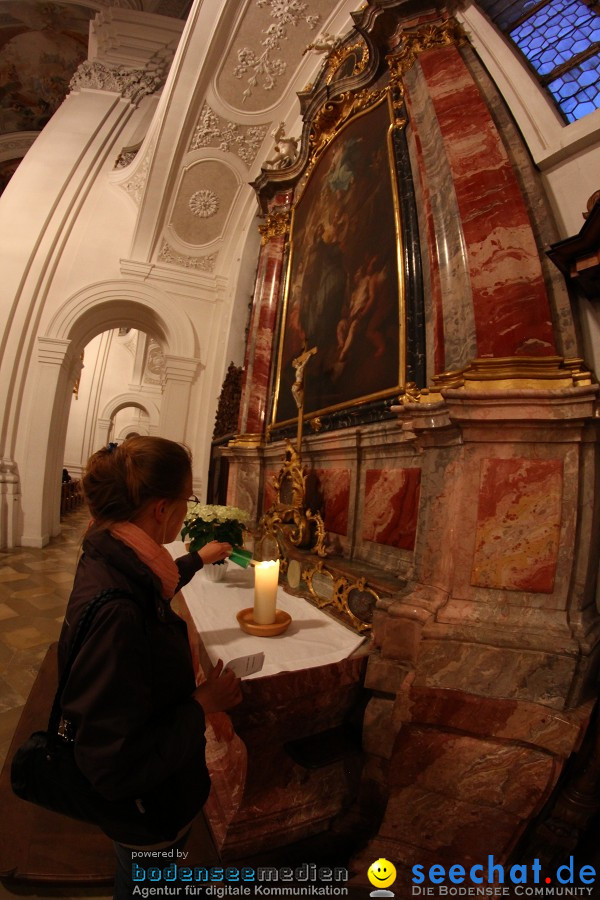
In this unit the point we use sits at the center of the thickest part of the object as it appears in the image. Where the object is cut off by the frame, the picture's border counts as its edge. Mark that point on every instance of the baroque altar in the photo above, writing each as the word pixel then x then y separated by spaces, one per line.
pixel 448 437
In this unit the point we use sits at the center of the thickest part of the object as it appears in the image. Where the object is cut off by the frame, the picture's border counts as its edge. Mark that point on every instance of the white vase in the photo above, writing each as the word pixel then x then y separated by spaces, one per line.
pixel 214 572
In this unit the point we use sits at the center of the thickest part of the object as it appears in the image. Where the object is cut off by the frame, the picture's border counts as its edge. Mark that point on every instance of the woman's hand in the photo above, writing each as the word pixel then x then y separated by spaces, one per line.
pixel 214 551
pixel 220 691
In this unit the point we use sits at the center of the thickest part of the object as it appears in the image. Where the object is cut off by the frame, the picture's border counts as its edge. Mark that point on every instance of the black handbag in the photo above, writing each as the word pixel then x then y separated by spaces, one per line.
pixel 44 772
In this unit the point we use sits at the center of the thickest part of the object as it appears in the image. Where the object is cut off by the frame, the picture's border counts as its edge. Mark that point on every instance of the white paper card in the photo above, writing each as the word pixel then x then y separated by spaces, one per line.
pixel 246 665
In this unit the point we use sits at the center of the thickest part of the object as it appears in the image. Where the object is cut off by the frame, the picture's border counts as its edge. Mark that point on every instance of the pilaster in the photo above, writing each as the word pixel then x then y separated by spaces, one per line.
pixel 260 351
pixel 180 372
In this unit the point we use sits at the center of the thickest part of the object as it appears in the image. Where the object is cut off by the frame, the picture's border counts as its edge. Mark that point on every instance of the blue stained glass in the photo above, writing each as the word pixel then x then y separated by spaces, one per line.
pixel 577 91
pixel 573 21
pixel 551 36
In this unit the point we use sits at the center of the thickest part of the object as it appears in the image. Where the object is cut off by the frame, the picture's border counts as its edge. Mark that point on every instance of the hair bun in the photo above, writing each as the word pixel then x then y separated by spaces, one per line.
pixel 120 479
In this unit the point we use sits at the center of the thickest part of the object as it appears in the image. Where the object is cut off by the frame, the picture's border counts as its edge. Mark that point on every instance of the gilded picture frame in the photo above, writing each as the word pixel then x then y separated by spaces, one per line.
pixel 344 288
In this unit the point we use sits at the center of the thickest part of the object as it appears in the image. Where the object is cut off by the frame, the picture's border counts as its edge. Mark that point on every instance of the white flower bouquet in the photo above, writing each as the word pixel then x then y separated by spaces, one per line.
pixel 205 523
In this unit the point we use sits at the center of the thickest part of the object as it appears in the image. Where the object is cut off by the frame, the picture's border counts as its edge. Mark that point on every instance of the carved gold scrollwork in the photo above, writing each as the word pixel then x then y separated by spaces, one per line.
pixel 275 225
pixel 336 113
pixel 428 37
pixel 338 57
pixel 361 587
pixel 327 588
pixel 289 519
pixel 292 525
pixel 290 481
pixel 509 373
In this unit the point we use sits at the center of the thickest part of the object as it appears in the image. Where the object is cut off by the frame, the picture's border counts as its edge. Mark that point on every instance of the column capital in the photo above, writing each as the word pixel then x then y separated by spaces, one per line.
pixel 52 350
pixel 132 84
pixel 135 39
pixel 180 368
pixel 130 53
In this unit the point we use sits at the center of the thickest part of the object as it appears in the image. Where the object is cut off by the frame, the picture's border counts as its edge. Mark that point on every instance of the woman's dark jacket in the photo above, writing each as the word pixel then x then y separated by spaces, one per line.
pixel 129 694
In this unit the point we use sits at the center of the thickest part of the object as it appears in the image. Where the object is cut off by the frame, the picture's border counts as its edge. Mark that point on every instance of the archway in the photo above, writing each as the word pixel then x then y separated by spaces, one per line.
pixel 120 403
pixel 98 308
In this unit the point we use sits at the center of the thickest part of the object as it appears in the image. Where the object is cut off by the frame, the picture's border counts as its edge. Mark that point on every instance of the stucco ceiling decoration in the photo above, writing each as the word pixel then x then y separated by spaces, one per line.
pixel 132 84
pixel 154 372
pixel 199 214
pixel 214 131
pixel 267 51
pixel 134 184
pixel 204 204
pixel 201 263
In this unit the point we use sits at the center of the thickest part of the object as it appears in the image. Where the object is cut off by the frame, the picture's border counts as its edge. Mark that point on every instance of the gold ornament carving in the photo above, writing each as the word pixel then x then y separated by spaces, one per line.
pixel 523 372
pixel 333 115
pixel 339 55
pixel 501 374
pixel 428 37
pixel 289 519
pixel 275 225
pixel 341 587
pixel 245 440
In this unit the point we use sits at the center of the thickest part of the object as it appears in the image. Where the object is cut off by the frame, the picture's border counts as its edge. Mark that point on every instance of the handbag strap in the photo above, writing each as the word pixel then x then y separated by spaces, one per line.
pixel 81 631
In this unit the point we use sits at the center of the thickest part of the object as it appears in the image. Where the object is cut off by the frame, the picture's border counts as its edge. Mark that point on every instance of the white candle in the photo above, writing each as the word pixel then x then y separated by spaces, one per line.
pixel 266 576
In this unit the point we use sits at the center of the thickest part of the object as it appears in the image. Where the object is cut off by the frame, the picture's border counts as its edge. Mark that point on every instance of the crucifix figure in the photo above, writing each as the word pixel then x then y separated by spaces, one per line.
pixel 299 365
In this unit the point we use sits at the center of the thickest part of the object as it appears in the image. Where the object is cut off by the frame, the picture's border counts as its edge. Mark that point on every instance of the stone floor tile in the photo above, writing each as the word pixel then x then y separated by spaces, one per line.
pixel 24 637
pixel 6 612
pixel 10 574
pixel 9 697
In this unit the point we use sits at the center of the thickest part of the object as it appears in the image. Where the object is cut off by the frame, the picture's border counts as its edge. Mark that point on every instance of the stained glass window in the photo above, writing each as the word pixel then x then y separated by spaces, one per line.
pixel 560 39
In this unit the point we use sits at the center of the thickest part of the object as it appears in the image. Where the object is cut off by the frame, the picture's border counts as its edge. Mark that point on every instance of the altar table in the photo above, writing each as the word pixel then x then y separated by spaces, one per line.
pixel 310 687
pixel 312 639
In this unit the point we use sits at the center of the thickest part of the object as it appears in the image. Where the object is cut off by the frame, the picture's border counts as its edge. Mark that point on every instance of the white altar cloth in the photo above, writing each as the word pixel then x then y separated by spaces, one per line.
pixel 312 639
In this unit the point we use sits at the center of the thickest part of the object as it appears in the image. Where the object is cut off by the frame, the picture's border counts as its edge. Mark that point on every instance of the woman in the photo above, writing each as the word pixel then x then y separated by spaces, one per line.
pixel 131 704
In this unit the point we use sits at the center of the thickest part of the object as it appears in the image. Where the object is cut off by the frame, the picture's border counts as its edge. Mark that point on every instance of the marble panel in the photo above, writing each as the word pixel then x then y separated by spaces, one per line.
pixel 528 723
pixel 502 672
pixel 450 297
pixel 328 490
pixel 511 307
pixel 391 506
pixel 243 484
pixel 539 209
pixel 432 821
pixel 498 774
pixel 518 524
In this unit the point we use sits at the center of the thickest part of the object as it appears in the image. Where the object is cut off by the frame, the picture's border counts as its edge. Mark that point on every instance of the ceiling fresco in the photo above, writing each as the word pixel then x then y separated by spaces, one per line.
pixel 41 46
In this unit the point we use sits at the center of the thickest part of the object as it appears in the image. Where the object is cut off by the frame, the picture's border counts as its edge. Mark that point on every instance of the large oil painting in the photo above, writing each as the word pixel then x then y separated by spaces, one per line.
pixel 343 294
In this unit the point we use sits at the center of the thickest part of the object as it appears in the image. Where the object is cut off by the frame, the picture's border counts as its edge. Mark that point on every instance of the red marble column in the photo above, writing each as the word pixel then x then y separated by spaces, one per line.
pixel 260 349
pixel 510 304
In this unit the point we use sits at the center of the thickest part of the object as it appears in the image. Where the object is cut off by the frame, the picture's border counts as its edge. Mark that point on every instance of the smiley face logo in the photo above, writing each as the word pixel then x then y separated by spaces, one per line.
pixel 382 873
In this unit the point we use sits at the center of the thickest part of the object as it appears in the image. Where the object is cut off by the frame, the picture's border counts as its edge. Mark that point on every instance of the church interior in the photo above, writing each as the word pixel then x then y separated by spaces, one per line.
pixel 349 254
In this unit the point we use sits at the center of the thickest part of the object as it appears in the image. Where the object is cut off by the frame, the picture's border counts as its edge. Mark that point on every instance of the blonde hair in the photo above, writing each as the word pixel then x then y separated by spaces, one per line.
pixel 120 480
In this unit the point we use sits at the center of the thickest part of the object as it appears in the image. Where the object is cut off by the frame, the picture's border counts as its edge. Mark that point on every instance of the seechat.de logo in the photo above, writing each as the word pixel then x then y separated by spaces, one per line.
pixel 492 878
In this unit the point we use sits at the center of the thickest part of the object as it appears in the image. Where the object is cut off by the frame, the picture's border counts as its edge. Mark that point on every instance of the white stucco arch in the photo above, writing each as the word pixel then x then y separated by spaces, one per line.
pixel 92 310
pixel 116 404
pixel 104 305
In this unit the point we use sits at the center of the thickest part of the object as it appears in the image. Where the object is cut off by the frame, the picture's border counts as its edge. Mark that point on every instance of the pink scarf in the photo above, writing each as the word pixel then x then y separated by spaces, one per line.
pixel 156 557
